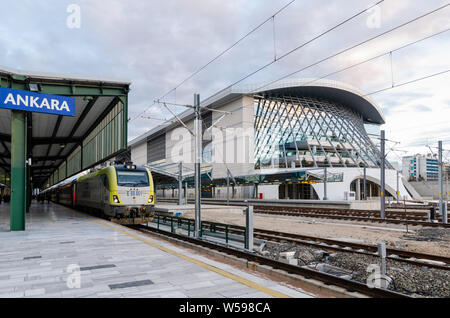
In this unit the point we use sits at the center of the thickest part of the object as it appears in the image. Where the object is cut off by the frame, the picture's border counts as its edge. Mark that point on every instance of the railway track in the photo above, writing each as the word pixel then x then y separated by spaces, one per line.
pixel 349 285
pixel 352 218
pixel 410 257
pixel 412 215
pixel 413 218
pixel 413 258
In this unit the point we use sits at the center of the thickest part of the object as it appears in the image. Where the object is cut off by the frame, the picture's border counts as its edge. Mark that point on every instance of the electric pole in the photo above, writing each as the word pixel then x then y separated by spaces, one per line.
pixel 442 205
pixel 383 174
pixel 365 182
pixel 398 188
pixel 180 183
pixel 198 160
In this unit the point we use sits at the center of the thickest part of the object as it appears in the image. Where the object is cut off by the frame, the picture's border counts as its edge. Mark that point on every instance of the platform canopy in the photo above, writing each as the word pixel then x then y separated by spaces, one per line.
pixel 61 146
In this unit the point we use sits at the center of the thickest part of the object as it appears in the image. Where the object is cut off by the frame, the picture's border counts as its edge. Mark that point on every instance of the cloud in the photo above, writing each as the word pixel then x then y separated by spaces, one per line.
pixel 157 44
pixel 422 108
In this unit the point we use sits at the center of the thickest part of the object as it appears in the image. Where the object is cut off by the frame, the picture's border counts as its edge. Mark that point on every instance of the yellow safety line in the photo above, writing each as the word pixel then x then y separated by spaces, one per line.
pixel 197 262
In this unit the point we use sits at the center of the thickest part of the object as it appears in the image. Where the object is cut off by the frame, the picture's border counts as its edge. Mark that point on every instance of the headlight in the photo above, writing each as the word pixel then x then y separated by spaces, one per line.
pixel 150 199
pixel 116 199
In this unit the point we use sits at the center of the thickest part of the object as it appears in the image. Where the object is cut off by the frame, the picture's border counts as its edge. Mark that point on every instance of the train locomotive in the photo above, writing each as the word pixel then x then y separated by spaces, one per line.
pixel 124 194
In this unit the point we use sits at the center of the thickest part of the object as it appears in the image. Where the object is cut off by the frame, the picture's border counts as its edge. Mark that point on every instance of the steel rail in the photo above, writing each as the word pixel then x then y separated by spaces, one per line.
pixel 340 214
pixel 351 286
pixel 355 218
pixel 410 257
pixel 394 211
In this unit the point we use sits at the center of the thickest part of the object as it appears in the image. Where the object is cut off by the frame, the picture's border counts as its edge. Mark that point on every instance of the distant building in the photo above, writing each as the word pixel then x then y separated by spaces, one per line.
pixel 420 167
pixel 446 171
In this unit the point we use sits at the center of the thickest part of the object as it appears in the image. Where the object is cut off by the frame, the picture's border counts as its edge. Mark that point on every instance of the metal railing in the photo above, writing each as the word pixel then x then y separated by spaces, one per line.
pixel 216 230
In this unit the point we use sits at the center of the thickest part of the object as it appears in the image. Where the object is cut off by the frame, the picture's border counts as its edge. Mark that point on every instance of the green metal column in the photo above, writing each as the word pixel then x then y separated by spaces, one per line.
pixel 18 170
pixel 124 100
pixel 28 188
pixel 29 131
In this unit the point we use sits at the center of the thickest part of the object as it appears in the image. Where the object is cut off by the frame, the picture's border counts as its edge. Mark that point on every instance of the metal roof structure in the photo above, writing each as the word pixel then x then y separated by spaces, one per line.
pixel 52 139
pixel 328 89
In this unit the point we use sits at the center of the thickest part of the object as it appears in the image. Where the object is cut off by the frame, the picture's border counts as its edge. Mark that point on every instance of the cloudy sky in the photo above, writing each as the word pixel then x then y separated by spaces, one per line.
pixel 157 44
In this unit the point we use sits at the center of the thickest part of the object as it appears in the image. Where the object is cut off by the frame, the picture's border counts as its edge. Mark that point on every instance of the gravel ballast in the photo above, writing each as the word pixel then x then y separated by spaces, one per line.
pixel 417 281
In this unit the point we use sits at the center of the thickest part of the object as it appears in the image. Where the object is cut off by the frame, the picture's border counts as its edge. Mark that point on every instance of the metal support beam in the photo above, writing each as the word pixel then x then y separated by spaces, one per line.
pixel 86 111
pixel 382 254
pixel 325 179
pixel 5 138
pixel 48 158
pixel 383 168
pixel 7 152
pixel 365 183
pixel 55 131
pixel 52 141
pixel 358 189
pixel 18 170
pixel 94 125
pixel 228 187
pixel 180 183
pixel 198 159
pixel 249 229
pixel 442 205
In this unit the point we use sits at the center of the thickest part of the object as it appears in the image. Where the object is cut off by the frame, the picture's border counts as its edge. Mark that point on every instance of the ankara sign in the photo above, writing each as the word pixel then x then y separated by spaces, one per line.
pixel 36 102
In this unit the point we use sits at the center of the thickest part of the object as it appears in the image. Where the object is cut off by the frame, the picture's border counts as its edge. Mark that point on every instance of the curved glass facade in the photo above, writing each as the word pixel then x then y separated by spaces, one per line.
pixel 292 131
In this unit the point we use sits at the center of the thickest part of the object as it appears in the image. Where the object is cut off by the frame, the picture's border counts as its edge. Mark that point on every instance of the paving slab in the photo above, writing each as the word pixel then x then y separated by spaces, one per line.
pixel 65 253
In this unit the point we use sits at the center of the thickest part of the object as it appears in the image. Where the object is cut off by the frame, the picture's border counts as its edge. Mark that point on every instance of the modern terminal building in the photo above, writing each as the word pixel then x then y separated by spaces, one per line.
pixel 275 142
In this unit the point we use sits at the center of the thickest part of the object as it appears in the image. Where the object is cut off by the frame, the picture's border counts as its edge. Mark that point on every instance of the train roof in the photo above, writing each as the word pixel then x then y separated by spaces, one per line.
pixel 85 175
pixel 118 167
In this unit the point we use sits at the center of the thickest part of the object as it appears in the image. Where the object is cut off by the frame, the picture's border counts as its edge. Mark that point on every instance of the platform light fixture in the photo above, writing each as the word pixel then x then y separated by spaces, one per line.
pixel 34 87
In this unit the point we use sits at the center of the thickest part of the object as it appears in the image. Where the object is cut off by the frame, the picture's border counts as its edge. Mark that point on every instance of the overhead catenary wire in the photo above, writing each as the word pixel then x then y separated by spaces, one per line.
pixel 378 56
pixel 274 39
pixel 304 44
pixel 275 59
pixel 410 82
pixel 154 118
pixel 357 45
pixel 272 17
pixel 348 49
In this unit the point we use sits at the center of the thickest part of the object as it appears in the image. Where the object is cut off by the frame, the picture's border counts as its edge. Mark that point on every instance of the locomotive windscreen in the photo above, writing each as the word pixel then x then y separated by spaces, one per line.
pixel 132 178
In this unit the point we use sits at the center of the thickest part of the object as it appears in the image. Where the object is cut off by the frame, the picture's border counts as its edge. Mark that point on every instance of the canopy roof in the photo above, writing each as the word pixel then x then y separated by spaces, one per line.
pixel 51 138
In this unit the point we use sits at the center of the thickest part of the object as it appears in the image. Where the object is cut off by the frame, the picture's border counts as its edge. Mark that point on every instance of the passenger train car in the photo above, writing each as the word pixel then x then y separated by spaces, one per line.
pixel 117 192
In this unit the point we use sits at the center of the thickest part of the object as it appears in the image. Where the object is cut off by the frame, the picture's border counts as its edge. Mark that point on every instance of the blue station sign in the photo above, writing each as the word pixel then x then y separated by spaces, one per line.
pixel 36 102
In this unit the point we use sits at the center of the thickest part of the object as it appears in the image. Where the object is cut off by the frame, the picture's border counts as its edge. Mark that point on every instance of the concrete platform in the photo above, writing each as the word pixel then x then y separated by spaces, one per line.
pixel 64 253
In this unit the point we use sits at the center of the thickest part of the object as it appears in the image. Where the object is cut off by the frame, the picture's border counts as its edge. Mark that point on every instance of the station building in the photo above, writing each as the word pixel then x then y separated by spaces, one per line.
pixel 40 147
pixel 275 142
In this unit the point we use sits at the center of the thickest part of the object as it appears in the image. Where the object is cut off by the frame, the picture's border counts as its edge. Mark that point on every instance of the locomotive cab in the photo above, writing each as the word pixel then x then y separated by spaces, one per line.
pixel 118 192
pixel 135 194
